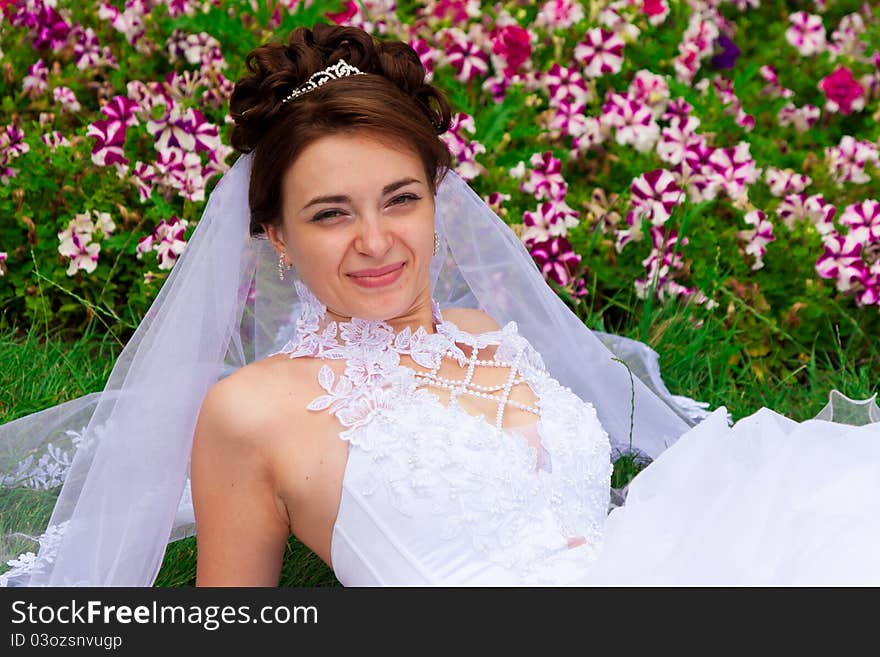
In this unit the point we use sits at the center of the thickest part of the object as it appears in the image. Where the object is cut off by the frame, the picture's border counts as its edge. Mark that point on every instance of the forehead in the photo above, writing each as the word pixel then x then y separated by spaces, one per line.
pixel 349 164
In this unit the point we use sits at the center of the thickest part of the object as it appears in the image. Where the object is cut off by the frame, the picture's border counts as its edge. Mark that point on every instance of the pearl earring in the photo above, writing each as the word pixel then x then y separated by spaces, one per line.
pixel 281 266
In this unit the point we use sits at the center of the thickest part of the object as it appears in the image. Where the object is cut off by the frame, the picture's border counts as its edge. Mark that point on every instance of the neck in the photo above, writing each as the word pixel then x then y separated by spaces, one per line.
pixel 423 314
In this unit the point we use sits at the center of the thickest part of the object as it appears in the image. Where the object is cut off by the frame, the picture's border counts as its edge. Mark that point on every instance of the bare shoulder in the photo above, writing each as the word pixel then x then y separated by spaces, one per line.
pixel 246 402
pixel 471 320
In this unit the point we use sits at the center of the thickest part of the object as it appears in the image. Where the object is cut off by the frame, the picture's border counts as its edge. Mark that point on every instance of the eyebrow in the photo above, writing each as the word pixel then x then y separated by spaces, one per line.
pixel 341 198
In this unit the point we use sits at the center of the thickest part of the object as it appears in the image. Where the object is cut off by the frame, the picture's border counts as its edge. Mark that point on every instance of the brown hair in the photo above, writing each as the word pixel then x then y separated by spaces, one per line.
pixel 392 102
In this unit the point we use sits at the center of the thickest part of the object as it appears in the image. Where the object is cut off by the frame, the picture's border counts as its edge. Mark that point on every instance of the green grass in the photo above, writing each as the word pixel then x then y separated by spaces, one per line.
pixel 702 356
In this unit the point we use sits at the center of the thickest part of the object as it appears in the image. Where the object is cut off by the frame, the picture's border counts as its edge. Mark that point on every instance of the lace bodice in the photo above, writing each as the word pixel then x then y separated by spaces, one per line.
pixel 433 494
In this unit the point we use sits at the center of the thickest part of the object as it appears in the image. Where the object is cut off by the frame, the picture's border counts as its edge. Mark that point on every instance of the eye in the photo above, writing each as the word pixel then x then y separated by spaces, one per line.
pixel 330 214
pixel 404 197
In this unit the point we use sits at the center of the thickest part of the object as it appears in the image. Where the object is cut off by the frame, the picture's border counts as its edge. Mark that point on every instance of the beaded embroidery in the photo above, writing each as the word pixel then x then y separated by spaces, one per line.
pixel 520 503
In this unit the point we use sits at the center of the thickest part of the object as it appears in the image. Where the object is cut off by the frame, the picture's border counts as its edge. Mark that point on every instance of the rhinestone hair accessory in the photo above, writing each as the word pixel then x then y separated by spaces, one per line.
pixel 340 69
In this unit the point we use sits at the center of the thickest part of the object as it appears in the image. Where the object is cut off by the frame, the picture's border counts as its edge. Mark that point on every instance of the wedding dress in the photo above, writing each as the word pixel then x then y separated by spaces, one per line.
pixel 435 495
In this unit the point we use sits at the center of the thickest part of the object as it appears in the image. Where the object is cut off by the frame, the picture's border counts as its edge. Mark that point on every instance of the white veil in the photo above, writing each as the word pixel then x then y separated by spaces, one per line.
pixel 123 454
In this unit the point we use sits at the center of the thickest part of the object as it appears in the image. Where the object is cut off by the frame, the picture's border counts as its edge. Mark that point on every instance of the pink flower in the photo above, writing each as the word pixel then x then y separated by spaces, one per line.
pixel 662 264
pixel 556 259
pixel 654 195
pixel 545 178
pixel 600 53
pixel 842 260
pixel 757 238
pixel 565 84
pixel 34 82
pixel 66 97
pixel 863 220
pixel 848 160
pixel 54 139
pixel 785 181
pixel 551 219
pixel 675 139
pixel 633 121
pixel 121 108
pixel 734 169
pixel 842 91
pixel 559 14
pixel 348 10
pixel 655 10
pixel 513 45
pixel 109 139
pixel 466 57
pixel 801 118
pixel 651 90
pixel 806 33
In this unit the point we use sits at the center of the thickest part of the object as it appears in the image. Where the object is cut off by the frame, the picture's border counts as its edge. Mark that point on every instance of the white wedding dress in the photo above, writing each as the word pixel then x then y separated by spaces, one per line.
pixel 435 495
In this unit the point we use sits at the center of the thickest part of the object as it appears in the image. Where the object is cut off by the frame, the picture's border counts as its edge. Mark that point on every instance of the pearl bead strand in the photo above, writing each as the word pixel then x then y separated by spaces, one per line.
pixel 466 386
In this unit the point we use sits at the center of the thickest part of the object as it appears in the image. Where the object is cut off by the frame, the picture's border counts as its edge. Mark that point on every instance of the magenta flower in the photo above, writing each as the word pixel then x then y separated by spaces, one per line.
pixel 556 259
pixel 651 90
pixel 559 14
pixel 121 108
pixel 843 93
pixel 842 260
pixel 600 53
pixel 34 82
pixel 662 264
pixel 428 55
pixel 54 139
pixel 758 237
pixel 848 160
pixel 655 10
pixel 863 220
pixel 463 149
pixel 801 118
pixel 67 98
pixel 654 196
pixel 565 85
pixel 109 136
pixel 47 27
pixel 466 57
pixel 734 169
pixel 88 51
pixel 806 33
pixel 785 181
pixel 12 145
pixel 551 219
pixel 773 88
pixel 75 243
pixel 870 283
pixel 512 44
pixel 633 121
pixel 545 179
pixel 675 139
pixel 142 177
pixel 800 207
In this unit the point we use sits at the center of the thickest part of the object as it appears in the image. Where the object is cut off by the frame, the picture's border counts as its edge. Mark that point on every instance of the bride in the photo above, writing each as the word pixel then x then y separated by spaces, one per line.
pixel 354 349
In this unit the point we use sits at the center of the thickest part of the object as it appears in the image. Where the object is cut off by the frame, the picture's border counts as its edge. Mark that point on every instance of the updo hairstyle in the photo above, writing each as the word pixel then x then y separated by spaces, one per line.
pixel 392 102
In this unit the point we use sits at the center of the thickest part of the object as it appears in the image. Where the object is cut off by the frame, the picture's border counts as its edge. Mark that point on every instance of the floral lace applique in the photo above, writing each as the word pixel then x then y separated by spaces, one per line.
pixel 474 477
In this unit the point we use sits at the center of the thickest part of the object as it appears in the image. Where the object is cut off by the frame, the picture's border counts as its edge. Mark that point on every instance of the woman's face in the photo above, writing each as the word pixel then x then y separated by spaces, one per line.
pixel 351 204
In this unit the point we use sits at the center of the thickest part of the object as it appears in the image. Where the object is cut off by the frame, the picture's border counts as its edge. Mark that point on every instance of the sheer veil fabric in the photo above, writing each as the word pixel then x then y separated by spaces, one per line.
pixel 121 456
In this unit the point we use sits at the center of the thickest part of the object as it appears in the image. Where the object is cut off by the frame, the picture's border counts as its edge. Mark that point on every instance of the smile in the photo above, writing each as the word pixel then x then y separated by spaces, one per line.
pixel 378 277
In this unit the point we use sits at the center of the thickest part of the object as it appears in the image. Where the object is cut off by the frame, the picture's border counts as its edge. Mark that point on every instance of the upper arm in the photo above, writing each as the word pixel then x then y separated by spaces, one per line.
pixel 240 534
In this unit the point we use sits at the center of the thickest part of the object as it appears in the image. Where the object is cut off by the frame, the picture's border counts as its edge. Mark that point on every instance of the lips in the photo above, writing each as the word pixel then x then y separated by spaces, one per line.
pixel 366 273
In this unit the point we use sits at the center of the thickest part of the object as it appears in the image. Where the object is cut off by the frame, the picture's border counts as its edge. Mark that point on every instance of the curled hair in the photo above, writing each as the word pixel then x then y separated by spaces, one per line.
pixel 392 101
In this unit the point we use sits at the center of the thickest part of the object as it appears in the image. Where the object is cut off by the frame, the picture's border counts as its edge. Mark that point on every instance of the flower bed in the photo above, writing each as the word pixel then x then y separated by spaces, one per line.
pixel 715 155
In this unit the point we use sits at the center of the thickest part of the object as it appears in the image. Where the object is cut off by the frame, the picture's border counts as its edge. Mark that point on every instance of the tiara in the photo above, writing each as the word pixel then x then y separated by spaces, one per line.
pixel 340 69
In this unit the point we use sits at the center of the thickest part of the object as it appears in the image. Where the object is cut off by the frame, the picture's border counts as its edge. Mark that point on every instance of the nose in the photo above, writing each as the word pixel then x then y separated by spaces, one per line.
pixel 373 236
